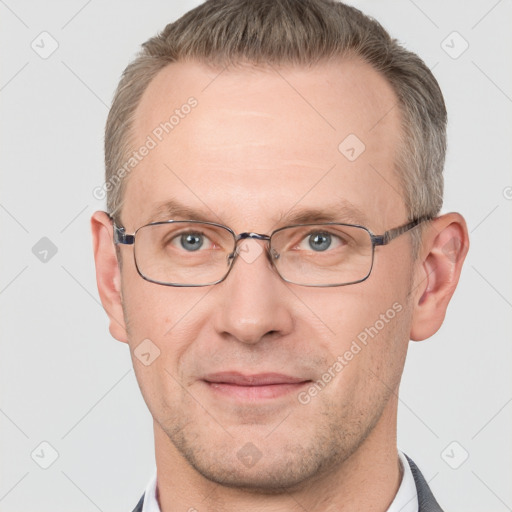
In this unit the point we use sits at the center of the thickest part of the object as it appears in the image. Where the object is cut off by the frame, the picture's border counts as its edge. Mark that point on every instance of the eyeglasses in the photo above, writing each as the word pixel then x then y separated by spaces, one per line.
pixel 200 253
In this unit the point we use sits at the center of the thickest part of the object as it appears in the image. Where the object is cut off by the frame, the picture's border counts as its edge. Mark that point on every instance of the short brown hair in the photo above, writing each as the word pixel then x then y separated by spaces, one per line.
pixel 298 32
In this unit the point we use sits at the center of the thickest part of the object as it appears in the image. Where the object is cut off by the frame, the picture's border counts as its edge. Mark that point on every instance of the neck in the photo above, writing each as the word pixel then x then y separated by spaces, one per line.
pixel 367 481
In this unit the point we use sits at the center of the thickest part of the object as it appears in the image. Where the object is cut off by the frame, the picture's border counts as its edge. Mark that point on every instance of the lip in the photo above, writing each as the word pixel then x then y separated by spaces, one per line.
pixel 253 387
pixel 258 379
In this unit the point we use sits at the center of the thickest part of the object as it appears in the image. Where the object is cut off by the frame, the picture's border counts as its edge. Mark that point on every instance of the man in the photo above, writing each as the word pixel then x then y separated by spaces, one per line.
pixel 272 243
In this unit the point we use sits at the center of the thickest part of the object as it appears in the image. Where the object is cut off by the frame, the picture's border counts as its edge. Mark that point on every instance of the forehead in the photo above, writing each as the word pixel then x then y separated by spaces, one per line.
pixel 248 144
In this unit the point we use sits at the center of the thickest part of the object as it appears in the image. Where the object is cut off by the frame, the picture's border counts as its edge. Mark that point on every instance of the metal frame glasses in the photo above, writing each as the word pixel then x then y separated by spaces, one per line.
pixel 121 237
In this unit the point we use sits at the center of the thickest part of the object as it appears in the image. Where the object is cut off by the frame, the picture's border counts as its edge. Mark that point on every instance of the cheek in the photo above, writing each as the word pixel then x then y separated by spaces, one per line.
pixel 151 309
pixel 162 324
pixel 166 319
pixel 345 312
pixel 366 325
pixel 369 355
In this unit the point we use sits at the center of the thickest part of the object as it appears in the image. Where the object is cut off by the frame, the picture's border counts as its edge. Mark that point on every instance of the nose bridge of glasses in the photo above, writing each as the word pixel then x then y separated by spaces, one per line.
pixel 254 236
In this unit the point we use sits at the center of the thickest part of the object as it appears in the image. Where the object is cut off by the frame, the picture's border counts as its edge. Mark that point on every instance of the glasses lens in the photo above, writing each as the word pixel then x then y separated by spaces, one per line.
pixel 323 254
pixel 183 252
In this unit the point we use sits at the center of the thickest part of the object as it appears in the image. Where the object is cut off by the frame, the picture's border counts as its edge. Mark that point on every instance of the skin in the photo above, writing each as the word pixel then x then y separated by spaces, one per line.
pixel 251 150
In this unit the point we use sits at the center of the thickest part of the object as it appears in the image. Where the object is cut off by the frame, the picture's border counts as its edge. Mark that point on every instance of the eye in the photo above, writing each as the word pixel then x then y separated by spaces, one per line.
pixel 191 241
pixel 320 241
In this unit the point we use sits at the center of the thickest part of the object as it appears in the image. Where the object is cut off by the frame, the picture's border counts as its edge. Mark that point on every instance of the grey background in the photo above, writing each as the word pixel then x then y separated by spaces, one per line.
pixel 65 381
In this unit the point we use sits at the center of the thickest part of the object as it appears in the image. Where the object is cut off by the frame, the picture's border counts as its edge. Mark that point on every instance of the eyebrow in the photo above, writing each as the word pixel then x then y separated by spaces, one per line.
pixel 343 211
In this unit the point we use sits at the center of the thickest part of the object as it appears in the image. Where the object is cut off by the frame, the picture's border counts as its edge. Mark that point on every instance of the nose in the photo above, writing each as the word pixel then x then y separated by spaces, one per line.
pixel 254 301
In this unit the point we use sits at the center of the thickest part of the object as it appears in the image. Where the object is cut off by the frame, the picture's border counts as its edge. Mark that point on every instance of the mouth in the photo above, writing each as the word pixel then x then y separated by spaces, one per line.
pixel 262 386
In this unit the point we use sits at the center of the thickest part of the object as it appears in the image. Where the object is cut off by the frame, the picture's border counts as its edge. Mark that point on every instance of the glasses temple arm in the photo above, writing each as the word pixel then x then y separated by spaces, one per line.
pixel 395 232
pixel 120 236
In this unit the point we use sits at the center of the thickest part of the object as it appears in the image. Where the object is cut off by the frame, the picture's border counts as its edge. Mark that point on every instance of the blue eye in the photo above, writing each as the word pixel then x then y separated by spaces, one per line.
pixel 191 241
pixel 320 241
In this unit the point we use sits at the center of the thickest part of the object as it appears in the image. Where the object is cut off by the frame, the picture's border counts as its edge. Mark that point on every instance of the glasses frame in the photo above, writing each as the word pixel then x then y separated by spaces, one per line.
pixel 123 238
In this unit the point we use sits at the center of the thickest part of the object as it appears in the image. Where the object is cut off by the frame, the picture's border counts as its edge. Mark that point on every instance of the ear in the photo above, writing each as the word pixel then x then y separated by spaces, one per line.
pixel 108 274
pixel 444 247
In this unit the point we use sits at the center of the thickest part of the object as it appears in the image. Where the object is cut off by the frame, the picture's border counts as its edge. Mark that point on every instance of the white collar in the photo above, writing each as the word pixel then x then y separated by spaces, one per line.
pixel 406 499
pixel 150 502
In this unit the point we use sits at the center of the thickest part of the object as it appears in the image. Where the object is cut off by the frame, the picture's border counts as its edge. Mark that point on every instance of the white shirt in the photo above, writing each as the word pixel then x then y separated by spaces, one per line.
pixel 406 499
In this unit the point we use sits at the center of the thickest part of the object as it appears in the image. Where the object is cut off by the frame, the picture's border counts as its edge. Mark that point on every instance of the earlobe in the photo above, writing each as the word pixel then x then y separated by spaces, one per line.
pixel 444 248
pixel 108 275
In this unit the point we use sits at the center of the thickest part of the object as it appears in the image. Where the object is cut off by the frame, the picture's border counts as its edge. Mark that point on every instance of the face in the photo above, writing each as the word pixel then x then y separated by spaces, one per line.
pixel 258 146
